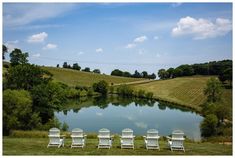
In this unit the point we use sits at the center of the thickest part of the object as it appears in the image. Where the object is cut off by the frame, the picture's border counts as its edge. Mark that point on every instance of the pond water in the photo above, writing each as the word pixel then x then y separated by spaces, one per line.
pixel 117 113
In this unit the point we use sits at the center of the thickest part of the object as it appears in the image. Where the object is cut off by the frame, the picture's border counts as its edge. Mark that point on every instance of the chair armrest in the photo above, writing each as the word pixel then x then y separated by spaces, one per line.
pixel 168 137
pixel 85 135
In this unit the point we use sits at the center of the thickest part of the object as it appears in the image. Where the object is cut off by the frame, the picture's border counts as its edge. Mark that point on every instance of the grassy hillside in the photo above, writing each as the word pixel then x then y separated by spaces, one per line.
pixel 73 77
pixel 183 90
pixel 38 146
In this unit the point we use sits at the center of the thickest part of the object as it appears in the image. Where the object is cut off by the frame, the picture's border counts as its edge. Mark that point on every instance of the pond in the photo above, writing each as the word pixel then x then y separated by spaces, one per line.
pixel 115 113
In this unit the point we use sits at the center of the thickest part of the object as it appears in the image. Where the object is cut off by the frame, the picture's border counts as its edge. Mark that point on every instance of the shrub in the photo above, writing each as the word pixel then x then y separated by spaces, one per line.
pixel 101 87
pixel 125 91
pixel 141 93
pixel 149 95
pixel 72 93
pixel 208 125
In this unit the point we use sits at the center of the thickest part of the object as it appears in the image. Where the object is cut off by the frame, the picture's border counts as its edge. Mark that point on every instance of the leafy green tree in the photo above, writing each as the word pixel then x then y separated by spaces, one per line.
pixel 170 72
pixel 116 72
pixel 86 69
pixel 213 90
pixel 144 74
pixel 136 74
pixel 101 87
pixel 187 70
pixel 126 74
pixel 208 125
pixel 65 65
pixel 26 76
pixel 57 65
pixel 65 127
pixel 17 57
pixel 4 50
pixel 96 71
pixel 163 74
pixel 152 76
pixel 76 66
pixel 17 111
pixel 47 98
pixel 226 75
pixel 177 72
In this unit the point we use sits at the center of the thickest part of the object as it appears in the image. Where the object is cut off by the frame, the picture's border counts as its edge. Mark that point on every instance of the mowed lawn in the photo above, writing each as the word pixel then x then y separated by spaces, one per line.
pixel 74 78
pixel 186 91
pixel 38 146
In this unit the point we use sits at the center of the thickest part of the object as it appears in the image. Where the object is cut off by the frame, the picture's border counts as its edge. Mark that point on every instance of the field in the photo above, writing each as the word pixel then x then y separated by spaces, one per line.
pixel 38 146
pixel 186 91
pixel 73 77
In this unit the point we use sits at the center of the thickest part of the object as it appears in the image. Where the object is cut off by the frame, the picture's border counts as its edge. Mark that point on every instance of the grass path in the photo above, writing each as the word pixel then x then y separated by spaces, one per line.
pixel 38 146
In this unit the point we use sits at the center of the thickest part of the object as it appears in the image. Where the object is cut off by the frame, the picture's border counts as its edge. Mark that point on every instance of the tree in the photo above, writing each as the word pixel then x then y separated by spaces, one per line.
pixel 136 74
pixel 86 69
pixel 26 77
pixel 171 72
pixel 4 50
pixel 187 70
pixel 17 57
pixel 47 98
pixel 152 76
pixel 213 90
pixel 116 72
pixel 144 74
pixel 177 72
pixel 126 74
pixel 208 125
pixel 163 74
pixel 96 71
pixel 57 65
pixel 101 87
pixel 65 65
pixel 76 66
pixel 17 111
pixel 226 75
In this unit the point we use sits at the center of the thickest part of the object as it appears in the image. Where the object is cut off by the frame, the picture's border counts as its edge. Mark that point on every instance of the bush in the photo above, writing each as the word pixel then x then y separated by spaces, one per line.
pixel 125 91
pixel 101 87
pixel 141 93
pixel 208 125
pixel 149 95
pixel 72 93
pixel 65 127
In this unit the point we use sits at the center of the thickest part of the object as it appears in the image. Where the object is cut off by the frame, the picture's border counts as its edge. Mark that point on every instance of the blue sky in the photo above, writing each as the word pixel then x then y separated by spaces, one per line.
pixel 127 36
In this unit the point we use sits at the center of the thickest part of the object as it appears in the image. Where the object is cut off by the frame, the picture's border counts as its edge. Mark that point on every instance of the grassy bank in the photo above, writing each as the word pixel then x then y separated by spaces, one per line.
pixel 74 78
pixel 38 146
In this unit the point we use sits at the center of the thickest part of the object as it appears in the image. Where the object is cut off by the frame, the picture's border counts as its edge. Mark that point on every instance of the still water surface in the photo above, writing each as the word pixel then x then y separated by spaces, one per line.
pixel 139 115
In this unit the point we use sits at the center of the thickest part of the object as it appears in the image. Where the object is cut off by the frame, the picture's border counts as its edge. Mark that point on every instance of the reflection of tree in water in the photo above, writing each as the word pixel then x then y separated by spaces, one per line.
pixel 103 102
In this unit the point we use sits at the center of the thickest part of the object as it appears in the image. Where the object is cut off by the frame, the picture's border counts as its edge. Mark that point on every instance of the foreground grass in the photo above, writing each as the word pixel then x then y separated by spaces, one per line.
pixel 187 91
pixel 38 146
pixel 74 77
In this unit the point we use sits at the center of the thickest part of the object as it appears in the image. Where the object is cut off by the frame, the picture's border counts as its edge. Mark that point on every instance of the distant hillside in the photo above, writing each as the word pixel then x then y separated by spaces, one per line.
pixel 74 77
pixel 183 90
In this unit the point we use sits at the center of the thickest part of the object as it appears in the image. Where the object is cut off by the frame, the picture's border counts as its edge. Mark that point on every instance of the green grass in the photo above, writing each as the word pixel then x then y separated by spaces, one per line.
pixel 187 91
pixel 73 77
pixel 38 146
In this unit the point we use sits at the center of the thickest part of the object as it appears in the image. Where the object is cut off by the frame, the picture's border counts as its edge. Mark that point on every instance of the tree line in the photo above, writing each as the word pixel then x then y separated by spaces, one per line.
pixel 136 74
pixel 221 68
pixel 76 66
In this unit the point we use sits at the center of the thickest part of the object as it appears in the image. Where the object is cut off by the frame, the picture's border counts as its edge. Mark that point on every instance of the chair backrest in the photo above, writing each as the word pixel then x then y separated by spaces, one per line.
pixel 127 132
pixel 77 132
pixel 104 132
pixel 54 136
pixel 177 134
pixel 152 133
pixel 54 132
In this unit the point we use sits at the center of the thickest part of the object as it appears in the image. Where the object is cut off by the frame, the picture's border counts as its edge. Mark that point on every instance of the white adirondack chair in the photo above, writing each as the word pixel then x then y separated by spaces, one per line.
pixel 105 139
pixel 151 140
pixel 55 138
pixel 127 138
pixel 176 141
pixel 78 138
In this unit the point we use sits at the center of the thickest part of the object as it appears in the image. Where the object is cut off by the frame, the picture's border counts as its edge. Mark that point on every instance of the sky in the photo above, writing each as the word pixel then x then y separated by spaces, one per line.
pixel 125 36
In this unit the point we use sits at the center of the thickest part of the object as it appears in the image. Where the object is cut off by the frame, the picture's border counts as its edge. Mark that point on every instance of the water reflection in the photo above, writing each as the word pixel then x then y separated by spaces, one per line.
pixel 117 113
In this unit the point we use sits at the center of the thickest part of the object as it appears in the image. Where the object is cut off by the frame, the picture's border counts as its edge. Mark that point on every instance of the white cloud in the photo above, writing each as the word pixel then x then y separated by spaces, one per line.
pixel 37 55
pixel 130 45
pixel 140 39
pixel 155 37
pixel 38 38
pixel 202 28
pixel 158 55
pixel 99 50
pixel 80 53
pixel 20 14
pixel 141 51
pixel 50 46
pixel 174 5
